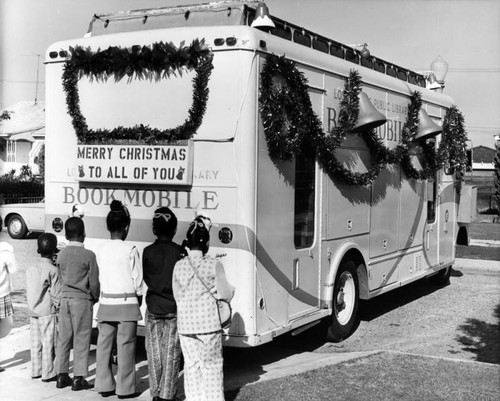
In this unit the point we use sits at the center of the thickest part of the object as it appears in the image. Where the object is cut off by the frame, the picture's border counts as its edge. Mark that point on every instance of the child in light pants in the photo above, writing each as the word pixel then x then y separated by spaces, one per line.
pixel 43 291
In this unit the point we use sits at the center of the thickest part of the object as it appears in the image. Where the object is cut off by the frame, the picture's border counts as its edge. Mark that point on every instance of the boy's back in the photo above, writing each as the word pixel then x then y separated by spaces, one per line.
pixel 79 272
pixel 42 288
pixel 79 276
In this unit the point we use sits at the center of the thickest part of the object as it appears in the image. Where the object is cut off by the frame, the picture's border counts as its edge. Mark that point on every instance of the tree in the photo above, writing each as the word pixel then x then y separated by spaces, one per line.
pixel 5 115
pixel 40 160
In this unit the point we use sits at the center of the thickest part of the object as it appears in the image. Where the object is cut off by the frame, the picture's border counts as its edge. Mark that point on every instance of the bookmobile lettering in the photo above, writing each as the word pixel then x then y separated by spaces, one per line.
pixel 390 131
pixel 205 199
pixel 170 164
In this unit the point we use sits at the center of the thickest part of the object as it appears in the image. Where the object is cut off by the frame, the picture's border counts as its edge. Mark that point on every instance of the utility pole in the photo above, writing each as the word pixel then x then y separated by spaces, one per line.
pixel 37 74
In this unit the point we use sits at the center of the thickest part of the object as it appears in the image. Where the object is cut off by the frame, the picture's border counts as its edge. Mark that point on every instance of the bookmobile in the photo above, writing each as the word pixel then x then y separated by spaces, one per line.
pixel 331 177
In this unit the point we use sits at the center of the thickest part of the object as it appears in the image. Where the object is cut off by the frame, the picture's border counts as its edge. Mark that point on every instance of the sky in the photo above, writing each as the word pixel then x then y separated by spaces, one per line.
pixel 409 33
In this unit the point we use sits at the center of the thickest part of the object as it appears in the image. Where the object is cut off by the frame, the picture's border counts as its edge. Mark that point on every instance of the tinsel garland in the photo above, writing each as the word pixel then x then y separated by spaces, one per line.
pixel 410 130
pixel 286 108
pixel 157 61
pixel 326 145
pixel 452 148
pixel 291 127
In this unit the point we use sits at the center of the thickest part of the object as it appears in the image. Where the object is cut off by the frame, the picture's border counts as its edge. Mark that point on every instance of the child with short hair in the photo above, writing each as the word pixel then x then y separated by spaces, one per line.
pixel 80 288
pixel 43 291
pixel 162 339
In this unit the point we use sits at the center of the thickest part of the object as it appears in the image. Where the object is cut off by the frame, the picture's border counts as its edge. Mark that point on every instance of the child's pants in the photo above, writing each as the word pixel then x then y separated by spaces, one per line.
pixel 75 328
pixel 164 355
pixel 43 338
pixel 125 345
pixel 203 364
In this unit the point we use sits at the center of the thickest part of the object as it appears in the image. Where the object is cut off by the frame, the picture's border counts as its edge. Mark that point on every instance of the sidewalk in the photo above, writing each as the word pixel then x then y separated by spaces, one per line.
pixel 16 383
pixel 477 266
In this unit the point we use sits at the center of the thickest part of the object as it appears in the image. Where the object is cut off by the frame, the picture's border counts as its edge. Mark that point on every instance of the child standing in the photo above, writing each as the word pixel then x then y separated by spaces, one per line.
pixel 199 323
pixel 121 279
pixel 7 267
pixel 79 276
pixel 162 339
pixel 43 292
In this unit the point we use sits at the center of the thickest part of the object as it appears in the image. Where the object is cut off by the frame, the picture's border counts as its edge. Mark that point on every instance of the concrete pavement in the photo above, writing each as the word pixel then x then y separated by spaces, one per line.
pixel 477 266
pixel 16 382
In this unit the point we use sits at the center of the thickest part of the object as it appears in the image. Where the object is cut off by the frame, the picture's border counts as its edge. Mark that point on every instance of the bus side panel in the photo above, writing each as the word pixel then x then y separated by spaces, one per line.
pixel 384 212
pixel 447 220
pixel 347 209
pixel 275 205
pixel 412 213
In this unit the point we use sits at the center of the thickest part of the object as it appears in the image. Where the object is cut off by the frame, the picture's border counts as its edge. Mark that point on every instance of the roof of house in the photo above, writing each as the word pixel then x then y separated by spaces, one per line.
pixel 483 154
pixel 26 117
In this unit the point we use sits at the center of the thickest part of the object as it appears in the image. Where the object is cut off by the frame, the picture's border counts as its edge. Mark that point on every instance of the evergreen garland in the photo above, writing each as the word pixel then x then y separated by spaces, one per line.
pixel 286 108
pixel 157 61
pixel 452 149
pixel 326 146
pixel 410 130
pixel 292 128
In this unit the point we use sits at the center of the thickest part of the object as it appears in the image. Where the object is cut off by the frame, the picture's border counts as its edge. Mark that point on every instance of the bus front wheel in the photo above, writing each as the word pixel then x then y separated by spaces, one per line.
pixel 345 303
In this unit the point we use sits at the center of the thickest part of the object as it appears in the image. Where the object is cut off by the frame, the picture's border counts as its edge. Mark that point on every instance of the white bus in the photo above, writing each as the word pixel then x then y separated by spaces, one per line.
pixel 162 107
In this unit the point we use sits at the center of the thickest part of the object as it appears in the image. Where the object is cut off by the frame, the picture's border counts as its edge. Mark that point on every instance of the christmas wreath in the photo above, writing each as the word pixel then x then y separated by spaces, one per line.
pixel 291 128
pixel 157 61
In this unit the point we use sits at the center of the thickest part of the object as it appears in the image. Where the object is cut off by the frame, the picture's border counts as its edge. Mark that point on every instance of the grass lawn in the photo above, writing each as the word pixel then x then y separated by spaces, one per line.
pixel 478 252
pixel 481 231
pixel 484 230
pixel 384 376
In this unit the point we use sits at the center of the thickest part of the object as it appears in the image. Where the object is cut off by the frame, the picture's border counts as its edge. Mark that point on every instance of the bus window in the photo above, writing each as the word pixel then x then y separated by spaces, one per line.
pixel 431 200
pixel 304 202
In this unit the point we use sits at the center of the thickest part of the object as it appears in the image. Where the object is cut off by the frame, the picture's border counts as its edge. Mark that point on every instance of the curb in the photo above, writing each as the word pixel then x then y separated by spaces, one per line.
pixel 477 266
pixel 484 242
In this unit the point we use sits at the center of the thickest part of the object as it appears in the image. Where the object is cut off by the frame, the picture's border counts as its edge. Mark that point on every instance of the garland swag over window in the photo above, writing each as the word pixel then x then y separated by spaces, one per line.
pixel 157 61
pixel 291 128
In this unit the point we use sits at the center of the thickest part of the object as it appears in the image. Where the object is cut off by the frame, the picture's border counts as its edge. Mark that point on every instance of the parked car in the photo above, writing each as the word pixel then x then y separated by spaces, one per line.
pixel 22 218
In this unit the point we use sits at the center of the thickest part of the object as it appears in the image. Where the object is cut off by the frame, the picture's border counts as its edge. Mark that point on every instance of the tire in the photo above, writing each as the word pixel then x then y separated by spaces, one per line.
pixel 16 227
pixel 345 303
pixel 442 277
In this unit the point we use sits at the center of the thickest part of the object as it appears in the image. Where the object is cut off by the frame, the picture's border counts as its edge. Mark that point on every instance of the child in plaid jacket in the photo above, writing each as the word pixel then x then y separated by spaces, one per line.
pixel 43 293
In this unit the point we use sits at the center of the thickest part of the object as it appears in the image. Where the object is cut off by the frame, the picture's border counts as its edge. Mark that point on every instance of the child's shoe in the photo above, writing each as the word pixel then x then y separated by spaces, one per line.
pixel 79 383
pixel 63 380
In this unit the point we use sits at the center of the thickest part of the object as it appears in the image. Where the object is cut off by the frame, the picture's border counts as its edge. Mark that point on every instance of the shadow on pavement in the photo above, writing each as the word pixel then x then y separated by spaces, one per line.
pixel 18 359
pixel 376 307
pixel 481 338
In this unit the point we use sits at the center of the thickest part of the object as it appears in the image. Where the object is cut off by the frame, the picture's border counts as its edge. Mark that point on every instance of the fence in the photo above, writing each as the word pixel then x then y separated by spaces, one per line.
pixel 7 200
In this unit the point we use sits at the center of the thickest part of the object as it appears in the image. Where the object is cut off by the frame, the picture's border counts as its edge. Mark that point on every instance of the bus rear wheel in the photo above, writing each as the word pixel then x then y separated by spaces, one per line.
pixel 345 303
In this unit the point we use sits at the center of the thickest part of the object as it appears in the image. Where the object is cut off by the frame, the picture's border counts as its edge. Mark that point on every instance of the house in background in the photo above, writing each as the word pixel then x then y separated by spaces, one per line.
pixel 22 136
pixel 482 160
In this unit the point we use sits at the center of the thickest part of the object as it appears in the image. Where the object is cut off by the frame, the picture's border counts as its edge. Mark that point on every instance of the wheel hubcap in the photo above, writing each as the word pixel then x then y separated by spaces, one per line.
pixel 346 295
pixel 15 227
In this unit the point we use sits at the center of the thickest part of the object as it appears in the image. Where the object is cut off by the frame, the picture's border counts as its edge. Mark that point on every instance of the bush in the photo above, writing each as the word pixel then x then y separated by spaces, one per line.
pixel 25 186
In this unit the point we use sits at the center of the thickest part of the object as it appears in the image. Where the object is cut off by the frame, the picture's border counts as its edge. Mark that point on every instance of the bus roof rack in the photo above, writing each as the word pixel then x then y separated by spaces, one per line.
pixel 230 12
